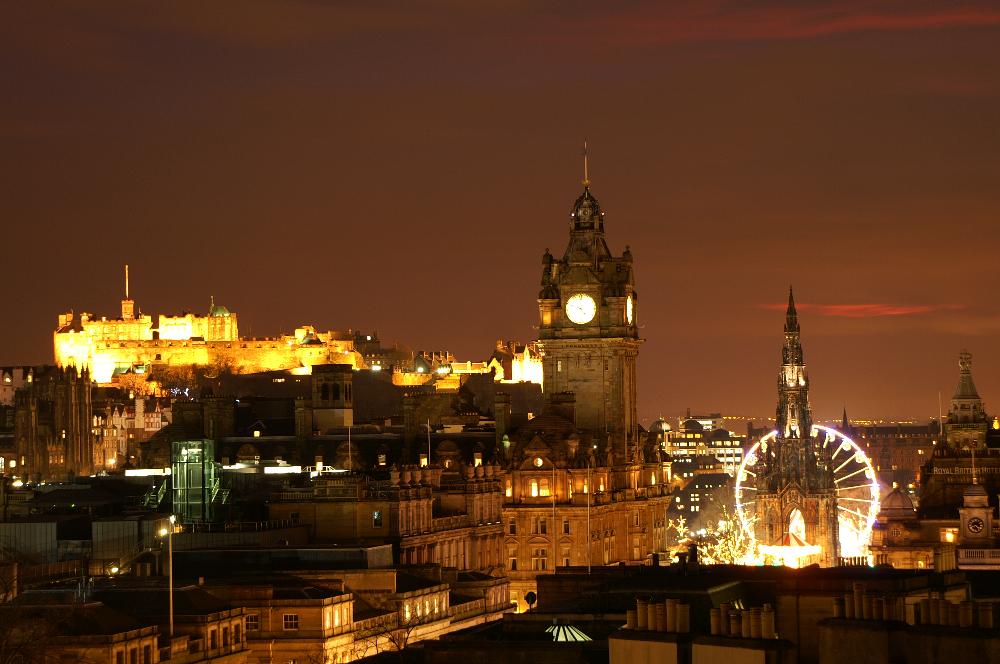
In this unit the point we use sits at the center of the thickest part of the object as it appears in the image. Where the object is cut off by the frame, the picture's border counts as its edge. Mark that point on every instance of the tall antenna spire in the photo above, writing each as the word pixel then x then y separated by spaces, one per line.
pixel 586 166
pixel 126 281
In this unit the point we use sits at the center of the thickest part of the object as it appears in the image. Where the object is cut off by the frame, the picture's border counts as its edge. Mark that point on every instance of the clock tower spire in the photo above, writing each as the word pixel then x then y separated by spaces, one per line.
pixel 588 331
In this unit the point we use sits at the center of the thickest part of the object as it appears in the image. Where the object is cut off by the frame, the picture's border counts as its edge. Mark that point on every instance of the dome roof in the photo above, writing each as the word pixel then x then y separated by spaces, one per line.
pixel 897 501
pixel 219 311
pixel 659 426
pixel 692 425
pixel 549 423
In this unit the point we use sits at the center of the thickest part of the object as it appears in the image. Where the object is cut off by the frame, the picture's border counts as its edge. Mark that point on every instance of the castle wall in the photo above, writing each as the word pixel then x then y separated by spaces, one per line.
pixel 242 356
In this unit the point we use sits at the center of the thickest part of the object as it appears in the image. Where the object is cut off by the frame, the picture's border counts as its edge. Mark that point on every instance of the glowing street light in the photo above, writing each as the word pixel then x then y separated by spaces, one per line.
pixel 169 534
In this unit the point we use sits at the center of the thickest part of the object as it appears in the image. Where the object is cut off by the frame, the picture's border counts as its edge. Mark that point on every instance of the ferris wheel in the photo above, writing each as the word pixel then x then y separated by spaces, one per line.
pixel 853 475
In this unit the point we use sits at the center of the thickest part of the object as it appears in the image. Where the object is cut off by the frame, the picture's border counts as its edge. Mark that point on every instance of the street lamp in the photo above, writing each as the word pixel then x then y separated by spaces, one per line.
pixel 169 534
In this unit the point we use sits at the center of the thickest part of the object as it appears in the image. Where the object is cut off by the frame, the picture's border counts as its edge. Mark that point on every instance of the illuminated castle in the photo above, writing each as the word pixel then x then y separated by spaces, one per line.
pixel 109 346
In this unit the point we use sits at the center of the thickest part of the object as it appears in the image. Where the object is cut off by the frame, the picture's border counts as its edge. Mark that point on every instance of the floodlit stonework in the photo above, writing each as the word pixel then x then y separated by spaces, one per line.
pixel 108 346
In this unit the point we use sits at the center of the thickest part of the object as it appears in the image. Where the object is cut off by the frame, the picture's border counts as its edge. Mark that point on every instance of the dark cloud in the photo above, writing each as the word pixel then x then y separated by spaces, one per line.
pixel 866 310
pixel 689 22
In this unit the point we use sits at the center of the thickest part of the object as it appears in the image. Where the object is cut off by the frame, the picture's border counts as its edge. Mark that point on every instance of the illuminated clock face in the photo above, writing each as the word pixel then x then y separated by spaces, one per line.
pixel 581 308
pixel 976 525
pixel 629 310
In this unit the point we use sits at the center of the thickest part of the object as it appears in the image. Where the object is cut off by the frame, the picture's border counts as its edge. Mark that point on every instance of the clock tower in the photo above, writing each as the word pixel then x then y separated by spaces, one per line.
pixel 588 330
pixel 975 516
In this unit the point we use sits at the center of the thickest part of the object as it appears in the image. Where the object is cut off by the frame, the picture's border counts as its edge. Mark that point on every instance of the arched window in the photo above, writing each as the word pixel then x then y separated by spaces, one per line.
pixel 534 488
pixel 544 487
pixel 324 392
pixel 335 391
pixel 797 525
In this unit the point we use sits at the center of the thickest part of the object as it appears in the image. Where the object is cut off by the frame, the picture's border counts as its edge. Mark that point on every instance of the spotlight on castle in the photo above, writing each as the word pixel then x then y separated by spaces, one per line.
pixel 131 342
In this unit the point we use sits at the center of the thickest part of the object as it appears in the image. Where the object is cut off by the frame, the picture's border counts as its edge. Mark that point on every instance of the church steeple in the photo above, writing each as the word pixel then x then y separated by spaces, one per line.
pixel 791 316
pixel 792 352
pixel 793 417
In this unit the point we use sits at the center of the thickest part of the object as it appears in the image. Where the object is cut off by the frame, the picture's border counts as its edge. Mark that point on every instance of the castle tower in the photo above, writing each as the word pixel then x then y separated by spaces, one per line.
pixel 796 496
pixel 128 304
pixel 588 335
pixel 967 423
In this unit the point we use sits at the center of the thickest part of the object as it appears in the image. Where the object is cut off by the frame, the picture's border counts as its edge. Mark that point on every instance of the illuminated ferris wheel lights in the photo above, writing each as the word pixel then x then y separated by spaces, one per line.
pixel 854 526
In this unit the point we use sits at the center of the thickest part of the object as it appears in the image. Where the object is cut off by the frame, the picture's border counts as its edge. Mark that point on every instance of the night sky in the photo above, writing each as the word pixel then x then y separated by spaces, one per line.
pixel 402 167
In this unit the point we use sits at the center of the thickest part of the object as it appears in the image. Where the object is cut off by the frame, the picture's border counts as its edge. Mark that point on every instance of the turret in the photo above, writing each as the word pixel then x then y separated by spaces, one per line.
pixel 128 304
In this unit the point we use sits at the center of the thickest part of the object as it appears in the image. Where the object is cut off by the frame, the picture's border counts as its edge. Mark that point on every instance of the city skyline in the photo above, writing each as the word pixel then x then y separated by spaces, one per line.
pixel 288 162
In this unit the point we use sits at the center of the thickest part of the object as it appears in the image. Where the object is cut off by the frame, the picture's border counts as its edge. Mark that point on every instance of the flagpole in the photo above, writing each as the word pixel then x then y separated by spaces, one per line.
pixel 590 490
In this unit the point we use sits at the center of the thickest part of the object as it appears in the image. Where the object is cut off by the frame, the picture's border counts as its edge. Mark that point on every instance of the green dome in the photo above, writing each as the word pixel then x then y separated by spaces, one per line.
pixel 219 311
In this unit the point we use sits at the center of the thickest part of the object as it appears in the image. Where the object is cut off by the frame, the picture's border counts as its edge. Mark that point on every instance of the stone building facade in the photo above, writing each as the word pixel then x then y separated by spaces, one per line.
pixel 432 515
pixel 53 425
pixel 971 447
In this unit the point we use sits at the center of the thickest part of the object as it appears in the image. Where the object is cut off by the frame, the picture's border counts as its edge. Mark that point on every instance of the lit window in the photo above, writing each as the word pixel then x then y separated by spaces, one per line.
pixel 534 488
pixel 539 559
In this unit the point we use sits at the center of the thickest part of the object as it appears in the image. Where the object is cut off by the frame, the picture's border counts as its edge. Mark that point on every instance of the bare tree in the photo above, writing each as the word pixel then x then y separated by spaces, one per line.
pixel 726 542
pixel 392 632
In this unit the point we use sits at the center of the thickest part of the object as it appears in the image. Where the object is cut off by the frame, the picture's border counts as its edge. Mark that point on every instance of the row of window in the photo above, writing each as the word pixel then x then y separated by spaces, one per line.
pixel 289 621
pixel 539 526
pixel 213 643
pixel 133 656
